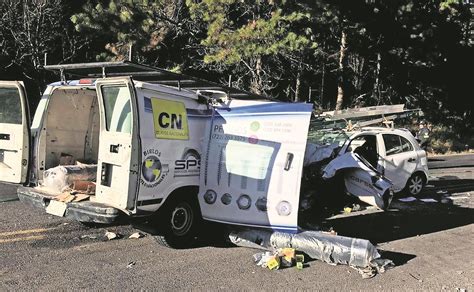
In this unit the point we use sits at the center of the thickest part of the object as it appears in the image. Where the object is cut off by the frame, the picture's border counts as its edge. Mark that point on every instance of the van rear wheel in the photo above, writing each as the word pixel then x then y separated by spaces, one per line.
pixel 181 222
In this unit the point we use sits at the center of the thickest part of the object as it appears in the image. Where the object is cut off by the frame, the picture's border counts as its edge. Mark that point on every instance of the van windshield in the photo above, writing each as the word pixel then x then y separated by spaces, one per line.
pixel 10 109
pixel 118 112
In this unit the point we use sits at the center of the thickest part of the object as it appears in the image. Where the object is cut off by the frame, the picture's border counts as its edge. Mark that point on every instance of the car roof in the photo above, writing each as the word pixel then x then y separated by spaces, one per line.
pixel 376 130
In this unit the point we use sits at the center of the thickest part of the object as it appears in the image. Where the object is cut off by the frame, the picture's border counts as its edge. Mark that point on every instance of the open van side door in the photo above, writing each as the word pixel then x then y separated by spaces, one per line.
pixel 14 132
pixel 253 162
pixel 119 146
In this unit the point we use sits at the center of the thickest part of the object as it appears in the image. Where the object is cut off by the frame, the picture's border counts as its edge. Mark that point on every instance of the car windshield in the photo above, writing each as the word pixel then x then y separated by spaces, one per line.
pixel 327 136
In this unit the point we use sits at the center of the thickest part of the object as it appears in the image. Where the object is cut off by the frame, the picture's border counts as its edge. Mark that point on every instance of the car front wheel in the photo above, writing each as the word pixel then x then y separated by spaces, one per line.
pixel 415 184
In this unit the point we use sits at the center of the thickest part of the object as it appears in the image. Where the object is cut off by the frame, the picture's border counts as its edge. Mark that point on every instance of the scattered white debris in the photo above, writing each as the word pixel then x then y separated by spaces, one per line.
pixel 457 197
pixel 407 199
pixel 111 235
pixel 136 235
pixel 429 200
pixel 56 208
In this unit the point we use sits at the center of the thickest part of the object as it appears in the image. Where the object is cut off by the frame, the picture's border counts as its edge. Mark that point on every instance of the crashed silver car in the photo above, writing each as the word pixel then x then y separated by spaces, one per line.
pixel 394 153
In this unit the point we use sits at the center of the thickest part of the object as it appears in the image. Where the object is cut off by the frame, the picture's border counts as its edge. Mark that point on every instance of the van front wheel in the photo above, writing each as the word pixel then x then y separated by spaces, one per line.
pixel 181 221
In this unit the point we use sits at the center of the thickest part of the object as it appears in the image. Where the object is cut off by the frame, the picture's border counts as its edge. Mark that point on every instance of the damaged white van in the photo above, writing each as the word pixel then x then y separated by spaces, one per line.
pixel 145 141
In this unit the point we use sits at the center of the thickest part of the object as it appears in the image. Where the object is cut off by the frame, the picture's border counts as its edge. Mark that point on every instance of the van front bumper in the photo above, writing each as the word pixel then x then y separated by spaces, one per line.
pixel 87 211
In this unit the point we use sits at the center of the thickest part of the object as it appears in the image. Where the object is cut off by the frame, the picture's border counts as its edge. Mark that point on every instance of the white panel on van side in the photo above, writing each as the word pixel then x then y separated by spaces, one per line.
pixel 252 163
pixel 172 127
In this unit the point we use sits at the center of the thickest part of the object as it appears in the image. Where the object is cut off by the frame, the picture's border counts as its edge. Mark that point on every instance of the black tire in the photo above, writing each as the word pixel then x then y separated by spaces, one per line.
pixel 180 221
pixel 415 184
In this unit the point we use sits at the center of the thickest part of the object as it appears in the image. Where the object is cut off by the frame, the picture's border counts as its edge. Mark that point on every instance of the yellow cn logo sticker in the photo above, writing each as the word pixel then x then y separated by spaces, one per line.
pixel 169 119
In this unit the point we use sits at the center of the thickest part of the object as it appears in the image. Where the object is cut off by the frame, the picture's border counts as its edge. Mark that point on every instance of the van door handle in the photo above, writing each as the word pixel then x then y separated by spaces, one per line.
pixel 411 160
pixel 4 136
pixel 289 160
pixel 114 148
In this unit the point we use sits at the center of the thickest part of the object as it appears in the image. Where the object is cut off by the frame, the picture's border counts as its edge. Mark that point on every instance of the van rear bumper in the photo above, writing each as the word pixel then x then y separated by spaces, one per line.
pixel 91 212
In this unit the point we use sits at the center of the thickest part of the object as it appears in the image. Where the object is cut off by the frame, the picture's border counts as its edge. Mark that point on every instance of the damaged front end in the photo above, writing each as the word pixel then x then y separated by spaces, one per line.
pixel 328 176
pixel 361 180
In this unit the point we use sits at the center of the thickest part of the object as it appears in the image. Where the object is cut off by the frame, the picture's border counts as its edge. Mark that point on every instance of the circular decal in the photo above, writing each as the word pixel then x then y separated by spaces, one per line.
pixel 151 169
pixel 253 139
pixel 261 204
pixel 283 208
pixel 244 202
pixel 226 199
pixel 254 126
pixel 210 197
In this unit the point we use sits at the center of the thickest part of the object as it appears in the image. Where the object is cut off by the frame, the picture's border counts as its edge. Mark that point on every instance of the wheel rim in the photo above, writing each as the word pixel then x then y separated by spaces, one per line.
pixel 181 219
pixel 416 184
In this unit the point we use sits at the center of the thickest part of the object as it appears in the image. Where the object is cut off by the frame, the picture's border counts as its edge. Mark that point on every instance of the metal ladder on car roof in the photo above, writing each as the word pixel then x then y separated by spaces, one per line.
pixel 357 118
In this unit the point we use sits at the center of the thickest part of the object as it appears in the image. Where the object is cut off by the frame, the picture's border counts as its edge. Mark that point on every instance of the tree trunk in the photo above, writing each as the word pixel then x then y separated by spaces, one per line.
pixel 340 83
pixel 323 76
pixel 376 90
pixel 256 85
pixel 298 85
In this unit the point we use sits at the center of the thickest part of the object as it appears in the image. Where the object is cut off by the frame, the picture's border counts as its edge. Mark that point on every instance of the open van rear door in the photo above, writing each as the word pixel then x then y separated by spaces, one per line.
pixel 117 179
pixel 253 162
pixel 14 132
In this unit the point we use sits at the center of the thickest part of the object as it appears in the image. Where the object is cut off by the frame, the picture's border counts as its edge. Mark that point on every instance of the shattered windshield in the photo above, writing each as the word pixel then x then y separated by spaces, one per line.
pixel 323 133
pixel 327 136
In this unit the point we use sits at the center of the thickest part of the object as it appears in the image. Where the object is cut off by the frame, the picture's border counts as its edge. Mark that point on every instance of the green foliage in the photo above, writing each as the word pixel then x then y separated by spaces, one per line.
pixel 123 24
pixel 263 34
pixel 246 37
pixel 412 52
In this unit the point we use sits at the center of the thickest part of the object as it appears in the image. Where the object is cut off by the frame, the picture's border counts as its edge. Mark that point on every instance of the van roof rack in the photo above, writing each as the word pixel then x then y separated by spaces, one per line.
pixel 146 73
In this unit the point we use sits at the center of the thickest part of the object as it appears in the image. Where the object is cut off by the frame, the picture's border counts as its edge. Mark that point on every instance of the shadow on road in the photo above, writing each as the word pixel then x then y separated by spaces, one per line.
pixel 397 258
pixel 408 219
pixel 403 220
pixel 448 184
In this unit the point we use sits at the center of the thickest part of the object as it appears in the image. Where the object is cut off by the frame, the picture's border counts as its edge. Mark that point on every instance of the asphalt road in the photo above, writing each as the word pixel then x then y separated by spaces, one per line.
pixel 430 243
pixel 449 161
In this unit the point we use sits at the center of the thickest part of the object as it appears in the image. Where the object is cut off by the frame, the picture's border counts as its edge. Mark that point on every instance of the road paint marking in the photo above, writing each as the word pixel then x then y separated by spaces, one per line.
pixel 19 232
pixel 34 237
